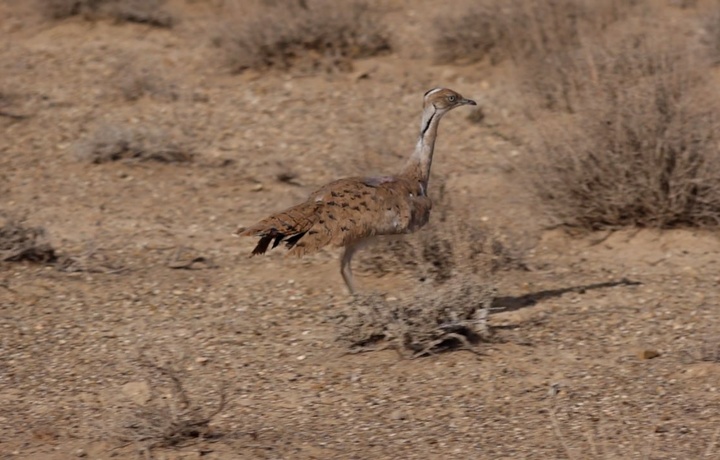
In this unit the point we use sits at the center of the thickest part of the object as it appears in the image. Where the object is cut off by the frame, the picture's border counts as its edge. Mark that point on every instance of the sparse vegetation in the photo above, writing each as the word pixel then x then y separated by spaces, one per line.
pixel 137 82
pixel 431 321
pixel 7 109
pixel 520 29
pixel 607 346
pixel 311 35
pixel 21 243
pixel 454 260
pixel 641 144
pixel 149 12
pixel 710 350
pixel 712 35
pixel 166 419
pixel 112 142
pixel 625 120
pixel 447 244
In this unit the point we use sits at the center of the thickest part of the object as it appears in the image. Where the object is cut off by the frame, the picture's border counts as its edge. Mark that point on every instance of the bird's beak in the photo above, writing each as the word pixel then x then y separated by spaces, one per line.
pixel 468 102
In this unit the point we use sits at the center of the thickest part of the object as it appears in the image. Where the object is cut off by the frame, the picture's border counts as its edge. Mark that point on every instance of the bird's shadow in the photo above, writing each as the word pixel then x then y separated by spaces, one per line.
pixel 513 303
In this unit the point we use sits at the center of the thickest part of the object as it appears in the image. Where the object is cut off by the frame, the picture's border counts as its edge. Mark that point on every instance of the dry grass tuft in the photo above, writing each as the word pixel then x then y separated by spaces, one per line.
pixel 640 146
pixel 431 321
pixel 149 12
pixel 312 35
pixel 448 243
pixel 111 142
pixel 455 261
pixel 20 243
pixel 134 83
pixel 519 29
pixel 711 31
pixel 710 350
pixel 169 419
pixel 8 102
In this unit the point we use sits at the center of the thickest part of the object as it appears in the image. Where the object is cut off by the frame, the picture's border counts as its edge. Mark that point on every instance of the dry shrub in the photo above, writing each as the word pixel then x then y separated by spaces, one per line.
pixel 712 34
pixel 641 145
pixel 434 253
pixel 455 261
pixel 519 29
pixel 9 106
pixel 710 350
pixel 20 243
pixel 707 351
pixel 170 418
pixel 432 321
pixel 149 12
pixel 312 35
pixel 134 83
pixel 112 142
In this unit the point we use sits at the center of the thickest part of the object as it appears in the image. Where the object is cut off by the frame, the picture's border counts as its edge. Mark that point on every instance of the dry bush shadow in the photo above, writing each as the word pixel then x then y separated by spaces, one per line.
pixel 309 35
pixel 512 303
pixel 165 417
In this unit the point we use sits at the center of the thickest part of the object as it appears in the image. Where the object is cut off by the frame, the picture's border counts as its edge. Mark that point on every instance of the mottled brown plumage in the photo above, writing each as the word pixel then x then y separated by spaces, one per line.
pixel 349 212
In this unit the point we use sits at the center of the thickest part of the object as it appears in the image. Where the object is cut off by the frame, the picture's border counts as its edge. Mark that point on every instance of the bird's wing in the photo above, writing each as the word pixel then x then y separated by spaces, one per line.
pixel 359 207
pixel 344 211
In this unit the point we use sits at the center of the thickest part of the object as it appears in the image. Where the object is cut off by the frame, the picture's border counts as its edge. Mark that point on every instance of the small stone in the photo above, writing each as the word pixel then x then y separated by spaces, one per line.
pixel 201 360
pixel 137 392
pixel 257 187
pixel 398 415
pixel 647 354
pixel 81 453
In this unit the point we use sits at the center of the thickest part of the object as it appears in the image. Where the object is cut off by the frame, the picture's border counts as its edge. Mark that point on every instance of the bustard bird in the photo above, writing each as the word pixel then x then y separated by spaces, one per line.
pixel 349 212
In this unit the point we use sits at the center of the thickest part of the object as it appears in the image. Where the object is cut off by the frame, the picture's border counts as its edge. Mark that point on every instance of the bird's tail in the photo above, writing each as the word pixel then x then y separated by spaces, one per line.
pixel 287 226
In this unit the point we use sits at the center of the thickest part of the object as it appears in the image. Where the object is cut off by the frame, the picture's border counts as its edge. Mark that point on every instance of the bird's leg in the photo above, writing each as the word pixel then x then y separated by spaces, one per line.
pixel 345 268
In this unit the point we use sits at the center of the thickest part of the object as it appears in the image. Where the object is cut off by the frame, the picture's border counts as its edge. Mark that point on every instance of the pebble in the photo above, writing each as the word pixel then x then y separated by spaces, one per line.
pixel 647 354
pixel 137 392
pixel 398 415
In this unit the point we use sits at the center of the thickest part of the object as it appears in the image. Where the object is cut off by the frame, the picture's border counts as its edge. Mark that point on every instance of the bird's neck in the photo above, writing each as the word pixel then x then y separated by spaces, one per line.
pixel 418 165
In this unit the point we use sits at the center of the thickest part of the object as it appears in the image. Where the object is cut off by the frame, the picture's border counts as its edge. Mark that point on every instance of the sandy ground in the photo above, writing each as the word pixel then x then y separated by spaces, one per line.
pixel 605 346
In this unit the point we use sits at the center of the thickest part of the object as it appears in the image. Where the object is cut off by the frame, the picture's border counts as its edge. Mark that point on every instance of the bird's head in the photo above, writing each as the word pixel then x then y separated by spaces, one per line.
pixel 443 100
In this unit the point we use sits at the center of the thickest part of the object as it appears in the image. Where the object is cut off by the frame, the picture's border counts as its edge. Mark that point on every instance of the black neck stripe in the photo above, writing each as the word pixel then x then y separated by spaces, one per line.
pixel 427 125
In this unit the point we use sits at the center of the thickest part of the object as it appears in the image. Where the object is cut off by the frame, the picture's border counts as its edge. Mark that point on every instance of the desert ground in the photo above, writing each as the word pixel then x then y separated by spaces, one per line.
pixel 146 331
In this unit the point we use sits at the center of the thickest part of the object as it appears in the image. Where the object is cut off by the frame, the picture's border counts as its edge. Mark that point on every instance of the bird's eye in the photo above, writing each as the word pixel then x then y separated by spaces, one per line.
pixel 452 98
